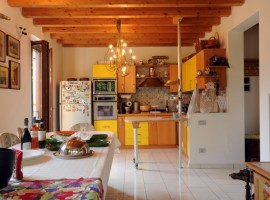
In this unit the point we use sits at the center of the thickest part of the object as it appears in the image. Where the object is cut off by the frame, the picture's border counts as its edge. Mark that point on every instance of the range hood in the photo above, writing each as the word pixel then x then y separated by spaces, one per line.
pixel 152 82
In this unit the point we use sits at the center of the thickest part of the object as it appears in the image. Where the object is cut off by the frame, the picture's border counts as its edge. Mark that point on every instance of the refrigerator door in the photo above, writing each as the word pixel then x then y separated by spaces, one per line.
pixel 75 92
pixel 72 114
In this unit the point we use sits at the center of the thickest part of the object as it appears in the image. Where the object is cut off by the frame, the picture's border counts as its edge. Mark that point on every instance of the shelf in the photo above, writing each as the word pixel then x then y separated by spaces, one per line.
pixel 152 77
pixel 165 65
pixel 217 66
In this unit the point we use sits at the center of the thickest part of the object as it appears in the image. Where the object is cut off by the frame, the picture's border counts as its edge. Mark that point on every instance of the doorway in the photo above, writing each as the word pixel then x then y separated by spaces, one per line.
pixel 40 82
pixel 251 94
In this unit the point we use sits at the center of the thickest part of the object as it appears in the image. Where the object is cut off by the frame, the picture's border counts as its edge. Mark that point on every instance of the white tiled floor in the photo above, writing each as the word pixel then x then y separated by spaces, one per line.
pixel 160 178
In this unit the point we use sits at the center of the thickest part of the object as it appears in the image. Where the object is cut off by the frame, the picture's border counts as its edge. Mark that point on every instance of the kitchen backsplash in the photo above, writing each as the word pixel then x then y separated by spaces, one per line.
pixel 156 96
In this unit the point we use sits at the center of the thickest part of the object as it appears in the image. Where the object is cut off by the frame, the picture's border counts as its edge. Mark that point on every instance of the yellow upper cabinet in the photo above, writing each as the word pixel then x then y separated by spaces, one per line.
pixel 189 74
pixel 100 71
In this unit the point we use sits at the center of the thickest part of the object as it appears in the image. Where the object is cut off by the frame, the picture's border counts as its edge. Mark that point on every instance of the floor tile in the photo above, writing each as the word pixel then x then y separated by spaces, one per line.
pixel 159 177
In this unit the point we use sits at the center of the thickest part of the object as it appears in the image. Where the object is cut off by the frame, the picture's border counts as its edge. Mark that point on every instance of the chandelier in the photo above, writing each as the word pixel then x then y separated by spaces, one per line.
pixel 117 59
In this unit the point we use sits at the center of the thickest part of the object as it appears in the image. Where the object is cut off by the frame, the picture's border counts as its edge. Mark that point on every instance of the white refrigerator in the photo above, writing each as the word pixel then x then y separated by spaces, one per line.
pixel 75 103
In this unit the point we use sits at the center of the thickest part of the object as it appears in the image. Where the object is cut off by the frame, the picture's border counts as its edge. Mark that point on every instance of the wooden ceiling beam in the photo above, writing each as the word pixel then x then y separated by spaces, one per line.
pixel 124 22
pixel 125 12
pixel 124 36
pixel 123 3
pixel 133 29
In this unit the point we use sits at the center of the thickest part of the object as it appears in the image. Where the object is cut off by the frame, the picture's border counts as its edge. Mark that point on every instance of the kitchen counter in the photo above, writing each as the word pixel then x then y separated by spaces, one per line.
pixel 146 114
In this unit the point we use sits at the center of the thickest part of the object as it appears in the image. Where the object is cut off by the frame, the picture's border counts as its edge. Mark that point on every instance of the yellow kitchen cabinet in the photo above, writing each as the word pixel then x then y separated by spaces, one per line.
pixel 100 71
pixel 127 84
pixel 106 125
pixel 162 133
pixel 142 134
pixel 185 148
pixel 220 72
pixel 173 76
pixel 189 72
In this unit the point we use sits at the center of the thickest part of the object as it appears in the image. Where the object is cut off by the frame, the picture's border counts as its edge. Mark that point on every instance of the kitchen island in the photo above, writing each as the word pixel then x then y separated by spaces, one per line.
pixel 135 121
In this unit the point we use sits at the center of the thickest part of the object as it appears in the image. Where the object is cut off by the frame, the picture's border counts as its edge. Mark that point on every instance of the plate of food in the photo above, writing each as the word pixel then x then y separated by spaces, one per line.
pixel 65 133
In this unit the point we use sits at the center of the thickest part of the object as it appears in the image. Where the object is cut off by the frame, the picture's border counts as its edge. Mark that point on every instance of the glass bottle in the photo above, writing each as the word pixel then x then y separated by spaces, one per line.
pixel 41 135
pixel 34 134
pixel 26 140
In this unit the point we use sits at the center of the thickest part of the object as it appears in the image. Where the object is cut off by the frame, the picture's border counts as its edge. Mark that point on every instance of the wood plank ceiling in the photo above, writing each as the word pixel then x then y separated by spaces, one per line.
pixel 92 23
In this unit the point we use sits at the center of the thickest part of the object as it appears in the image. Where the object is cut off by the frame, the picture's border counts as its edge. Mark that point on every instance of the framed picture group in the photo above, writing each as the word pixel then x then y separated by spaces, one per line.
pixel 9 75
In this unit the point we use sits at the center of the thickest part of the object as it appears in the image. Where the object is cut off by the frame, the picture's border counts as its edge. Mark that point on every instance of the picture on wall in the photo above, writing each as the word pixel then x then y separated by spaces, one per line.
pixel 13 47
pixel 15 78
pixel 4 77
pixel 2 46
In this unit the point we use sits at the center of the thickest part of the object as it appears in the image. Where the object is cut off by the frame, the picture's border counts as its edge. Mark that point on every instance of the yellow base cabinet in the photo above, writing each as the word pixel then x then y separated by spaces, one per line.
pixel 101 71
pixel 142 134
pixel 185 148
pixel 106 125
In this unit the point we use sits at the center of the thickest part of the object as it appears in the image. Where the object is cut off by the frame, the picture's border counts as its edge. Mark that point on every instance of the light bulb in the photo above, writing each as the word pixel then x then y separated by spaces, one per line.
pixel 110 46
pixel 130 51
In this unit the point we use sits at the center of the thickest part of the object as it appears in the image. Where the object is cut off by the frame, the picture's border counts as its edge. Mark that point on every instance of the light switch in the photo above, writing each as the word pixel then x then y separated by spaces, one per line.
pixel 202 122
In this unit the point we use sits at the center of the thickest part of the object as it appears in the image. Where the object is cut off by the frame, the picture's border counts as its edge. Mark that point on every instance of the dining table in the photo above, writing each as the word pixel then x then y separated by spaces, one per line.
pixel 46 166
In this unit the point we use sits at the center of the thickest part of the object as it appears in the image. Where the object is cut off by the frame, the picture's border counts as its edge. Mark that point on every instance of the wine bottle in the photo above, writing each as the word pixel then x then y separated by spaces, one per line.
pixel 34 134
pixel 41 135
pixel 26 140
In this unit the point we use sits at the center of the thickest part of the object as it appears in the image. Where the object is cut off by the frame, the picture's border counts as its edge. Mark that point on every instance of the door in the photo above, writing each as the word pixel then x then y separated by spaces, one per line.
pixel 40 81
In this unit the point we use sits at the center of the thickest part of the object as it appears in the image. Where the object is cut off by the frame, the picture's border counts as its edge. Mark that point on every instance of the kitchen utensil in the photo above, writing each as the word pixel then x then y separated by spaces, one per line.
pixel 145 108
pixel 136 106
pixel 128 109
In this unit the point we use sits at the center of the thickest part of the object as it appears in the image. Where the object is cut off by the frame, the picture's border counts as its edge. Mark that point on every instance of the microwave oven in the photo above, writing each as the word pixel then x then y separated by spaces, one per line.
pixel 105 86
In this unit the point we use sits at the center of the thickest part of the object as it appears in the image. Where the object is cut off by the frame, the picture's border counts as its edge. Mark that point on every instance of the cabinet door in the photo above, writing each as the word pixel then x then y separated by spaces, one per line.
pixel 173 76
pixel 130 80
pixel 121 129
pixel 153 136
pixel 100 71
pixel 106 125
pixel 127 84
pixel 142 134
pixel 184 78
pixel 192 73
pixel 166 133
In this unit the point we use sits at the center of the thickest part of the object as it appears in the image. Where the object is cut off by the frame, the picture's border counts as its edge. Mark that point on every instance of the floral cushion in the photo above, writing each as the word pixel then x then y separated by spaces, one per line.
pixel 83 188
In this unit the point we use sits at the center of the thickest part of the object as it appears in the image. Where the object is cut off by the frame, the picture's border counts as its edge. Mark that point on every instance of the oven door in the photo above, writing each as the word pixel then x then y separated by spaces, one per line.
pixel 105 110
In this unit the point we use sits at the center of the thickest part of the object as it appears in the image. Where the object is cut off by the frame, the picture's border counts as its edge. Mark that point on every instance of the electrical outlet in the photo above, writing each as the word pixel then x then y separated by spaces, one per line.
pixel 201 122
pixel 202 150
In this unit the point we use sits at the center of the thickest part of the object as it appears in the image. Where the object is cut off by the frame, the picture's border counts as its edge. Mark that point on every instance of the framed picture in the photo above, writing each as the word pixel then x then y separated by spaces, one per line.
pixel 13 47
pixel 4 77
pixel 15 77
pixel 2 46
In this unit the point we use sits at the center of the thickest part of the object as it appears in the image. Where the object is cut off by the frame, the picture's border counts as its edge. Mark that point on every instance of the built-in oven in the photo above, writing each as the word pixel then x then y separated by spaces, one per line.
pixel 105 107
pixel 104 86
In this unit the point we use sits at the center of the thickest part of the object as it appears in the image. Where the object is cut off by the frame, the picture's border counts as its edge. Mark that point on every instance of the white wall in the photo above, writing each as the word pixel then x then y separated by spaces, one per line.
pixel 15 104
pixel 223 136
pixel 78 62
